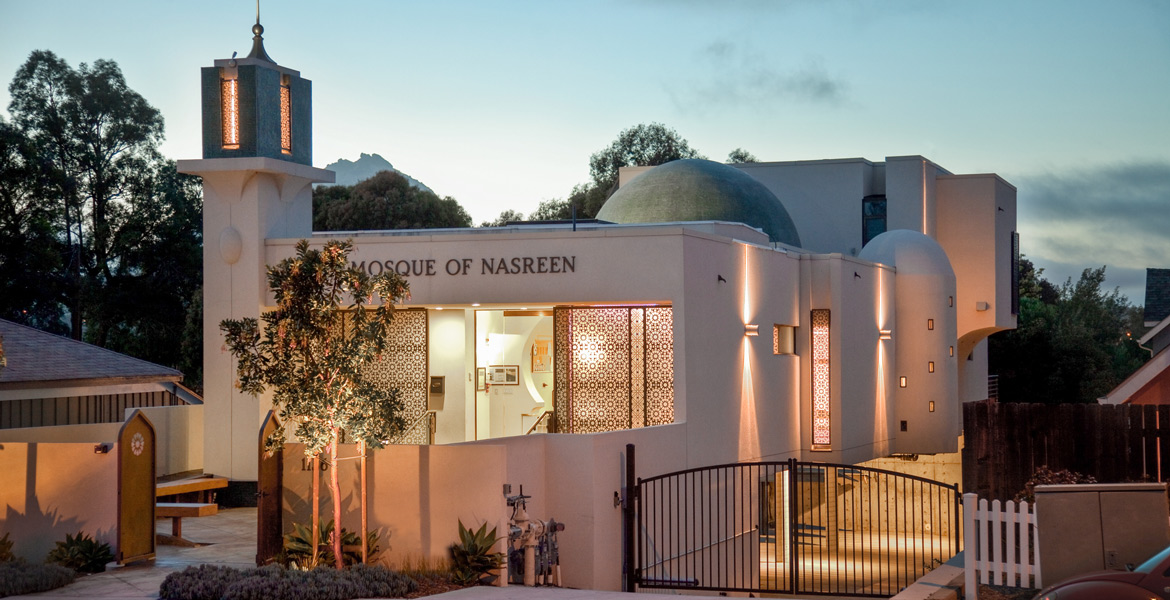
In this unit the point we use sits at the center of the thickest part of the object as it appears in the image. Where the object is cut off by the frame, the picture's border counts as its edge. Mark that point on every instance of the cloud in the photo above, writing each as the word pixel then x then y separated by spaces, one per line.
pixel 1118 216
pixel 741 77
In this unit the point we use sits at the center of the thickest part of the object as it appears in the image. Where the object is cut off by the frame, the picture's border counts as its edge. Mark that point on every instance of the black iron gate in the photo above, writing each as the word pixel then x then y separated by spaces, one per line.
pixel 786 527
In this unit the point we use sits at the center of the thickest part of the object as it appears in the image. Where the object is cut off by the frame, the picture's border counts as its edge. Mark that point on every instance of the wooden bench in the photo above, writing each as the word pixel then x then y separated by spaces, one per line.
pixel 201 485
pixel 177 510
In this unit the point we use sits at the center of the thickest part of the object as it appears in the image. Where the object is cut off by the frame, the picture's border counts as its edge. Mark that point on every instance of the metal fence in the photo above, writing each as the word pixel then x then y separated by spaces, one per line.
pixel 788 527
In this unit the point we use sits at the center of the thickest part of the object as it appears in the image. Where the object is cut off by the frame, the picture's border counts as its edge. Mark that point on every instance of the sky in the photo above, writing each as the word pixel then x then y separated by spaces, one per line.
pixel 500 104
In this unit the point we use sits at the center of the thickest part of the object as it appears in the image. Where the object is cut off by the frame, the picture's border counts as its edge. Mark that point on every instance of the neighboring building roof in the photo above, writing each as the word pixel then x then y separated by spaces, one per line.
pixel 1157 295
pixel 39 359
pixel 700 190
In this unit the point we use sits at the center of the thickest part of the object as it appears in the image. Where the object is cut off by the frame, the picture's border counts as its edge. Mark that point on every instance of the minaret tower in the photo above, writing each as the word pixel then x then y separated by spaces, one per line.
pixel 257 174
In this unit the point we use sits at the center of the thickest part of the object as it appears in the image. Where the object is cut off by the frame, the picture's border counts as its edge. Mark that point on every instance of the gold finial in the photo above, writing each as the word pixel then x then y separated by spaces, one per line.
pixel 258 39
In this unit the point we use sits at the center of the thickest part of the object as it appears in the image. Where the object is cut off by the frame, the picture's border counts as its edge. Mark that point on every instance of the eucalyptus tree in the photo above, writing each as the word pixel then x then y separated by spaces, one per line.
pixel 330 322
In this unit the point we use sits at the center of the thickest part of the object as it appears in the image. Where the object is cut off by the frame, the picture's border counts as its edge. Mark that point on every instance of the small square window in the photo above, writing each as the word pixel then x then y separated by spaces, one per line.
pixel 932 406
pixel 952 350
pixel 951 301
pixel 930 367
pixel 904 428
pixel 930 324
pixel 783 339
pixel 902 381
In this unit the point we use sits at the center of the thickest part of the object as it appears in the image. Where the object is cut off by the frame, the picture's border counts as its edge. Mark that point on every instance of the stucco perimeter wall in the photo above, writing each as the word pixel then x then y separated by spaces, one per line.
pixel 49 490
pixel 416 495
pixel 178 430
pixel 573 478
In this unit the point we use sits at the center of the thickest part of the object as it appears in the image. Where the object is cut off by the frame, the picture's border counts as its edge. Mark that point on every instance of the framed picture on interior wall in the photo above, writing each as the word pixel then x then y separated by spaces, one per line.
pixel 541 355
pixel 480 379
pixel 504 374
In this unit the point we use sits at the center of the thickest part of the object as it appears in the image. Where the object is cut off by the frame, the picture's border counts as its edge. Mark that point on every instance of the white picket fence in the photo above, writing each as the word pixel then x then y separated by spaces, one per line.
pixel 1000 545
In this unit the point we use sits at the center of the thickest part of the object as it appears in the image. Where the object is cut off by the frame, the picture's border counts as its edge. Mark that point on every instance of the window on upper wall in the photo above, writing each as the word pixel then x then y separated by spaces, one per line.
pixel 873 217
pixel 1015 273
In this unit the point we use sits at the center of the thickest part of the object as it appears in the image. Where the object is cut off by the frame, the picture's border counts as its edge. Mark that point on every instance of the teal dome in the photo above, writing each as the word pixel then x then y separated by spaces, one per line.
pixel 700 190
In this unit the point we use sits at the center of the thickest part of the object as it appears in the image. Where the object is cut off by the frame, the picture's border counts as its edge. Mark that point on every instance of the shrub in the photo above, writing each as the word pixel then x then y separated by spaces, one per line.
pixel 472 558
pixel 203 582
pixel 81 553
pixel 20 577
pixel 1046 476
pixel 274 582
pixel 298 547
pixel 6 549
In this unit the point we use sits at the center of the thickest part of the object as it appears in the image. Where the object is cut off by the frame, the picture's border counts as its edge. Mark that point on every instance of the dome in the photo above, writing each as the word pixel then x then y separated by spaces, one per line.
pixel 700 190
pixel 910 252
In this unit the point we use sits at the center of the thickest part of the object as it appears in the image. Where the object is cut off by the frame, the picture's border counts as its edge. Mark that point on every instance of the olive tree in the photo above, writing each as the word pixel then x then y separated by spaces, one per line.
pixel 312 350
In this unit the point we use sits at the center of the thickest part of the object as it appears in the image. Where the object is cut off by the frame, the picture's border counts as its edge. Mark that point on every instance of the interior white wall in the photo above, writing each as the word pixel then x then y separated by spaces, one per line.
pixel 447 348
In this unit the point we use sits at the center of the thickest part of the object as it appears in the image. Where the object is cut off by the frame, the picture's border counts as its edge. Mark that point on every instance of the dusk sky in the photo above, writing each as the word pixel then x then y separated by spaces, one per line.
pixel 500 104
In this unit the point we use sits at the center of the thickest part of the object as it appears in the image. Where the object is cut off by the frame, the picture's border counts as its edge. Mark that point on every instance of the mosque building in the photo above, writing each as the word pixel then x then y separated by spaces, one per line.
pixel 832 310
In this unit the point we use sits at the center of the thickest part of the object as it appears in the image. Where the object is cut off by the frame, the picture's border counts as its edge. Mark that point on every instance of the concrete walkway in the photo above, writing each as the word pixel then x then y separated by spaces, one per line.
pixel 230 539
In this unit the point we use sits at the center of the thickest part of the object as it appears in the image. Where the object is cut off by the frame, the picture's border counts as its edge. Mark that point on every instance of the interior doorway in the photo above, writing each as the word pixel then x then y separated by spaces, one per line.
pixel 513 372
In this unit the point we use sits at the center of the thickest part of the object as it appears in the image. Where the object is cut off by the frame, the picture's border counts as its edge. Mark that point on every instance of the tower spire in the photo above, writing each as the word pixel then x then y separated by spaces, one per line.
pixel 258 39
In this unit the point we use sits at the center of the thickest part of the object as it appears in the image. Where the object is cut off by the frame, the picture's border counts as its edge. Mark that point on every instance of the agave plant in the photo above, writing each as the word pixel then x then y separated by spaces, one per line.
pixel 472 558
pixel 81 553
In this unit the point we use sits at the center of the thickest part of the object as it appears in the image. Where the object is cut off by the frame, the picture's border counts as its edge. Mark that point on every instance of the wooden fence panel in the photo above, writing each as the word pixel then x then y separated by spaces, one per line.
pixel 1005 443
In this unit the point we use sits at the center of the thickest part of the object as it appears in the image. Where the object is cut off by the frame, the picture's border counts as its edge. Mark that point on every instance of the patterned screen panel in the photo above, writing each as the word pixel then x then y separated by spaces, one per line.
pixel 230 100
pixel 285 119
pixel 614 368
pixel 404 364
pixel 821 424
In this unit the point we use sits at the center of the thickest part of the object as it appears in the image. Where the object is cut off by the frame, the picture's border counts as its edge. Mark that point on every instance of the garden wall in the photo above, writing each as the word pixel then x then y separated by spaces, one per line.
pixel 179 431
pixel 48 490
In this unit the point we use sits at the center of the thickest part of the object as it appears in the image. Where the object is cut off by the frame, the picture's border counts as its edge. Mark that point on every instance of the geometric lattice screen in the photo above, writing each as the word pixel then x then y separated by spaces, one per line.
pixel 404 363
pixel 613 368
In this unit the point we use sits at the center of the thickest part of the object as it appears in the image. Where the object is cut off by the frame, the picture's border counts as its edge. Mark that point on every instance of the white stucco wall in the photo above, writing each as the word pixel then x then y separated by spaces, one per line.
pixel 245 202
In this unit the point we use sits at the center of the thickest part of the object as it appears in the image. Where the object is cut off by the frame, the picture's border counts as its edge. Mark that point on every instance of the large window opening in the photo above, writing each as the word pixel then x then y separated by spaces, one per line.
pixel 873 217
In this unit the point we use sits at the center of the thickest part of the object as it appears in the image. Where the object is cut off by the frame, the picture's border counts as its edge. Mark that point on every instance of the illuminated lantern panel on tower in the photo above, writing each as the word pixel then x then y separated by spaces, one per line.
pixel 229 90
pixel 820 380
pixel 285 119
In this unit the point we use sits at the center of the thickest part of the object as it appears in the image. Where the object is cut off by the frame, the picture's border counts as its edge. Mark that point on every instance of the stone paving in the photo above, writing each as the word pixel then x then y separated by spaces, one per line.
pixel 231 540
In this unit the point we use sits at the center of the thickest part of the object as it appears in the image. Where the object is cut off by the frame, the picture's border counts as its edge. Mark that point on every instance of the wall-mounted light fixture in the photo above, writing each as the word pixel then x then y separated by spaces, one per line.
pixel 751 330
pixel 103 448
pixel 885 334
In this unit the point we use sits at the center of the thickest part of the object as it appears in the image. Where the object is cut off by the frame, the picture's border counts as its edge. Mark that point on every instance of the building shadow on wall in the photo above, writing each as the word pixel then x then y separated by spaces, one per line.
pixel 35 531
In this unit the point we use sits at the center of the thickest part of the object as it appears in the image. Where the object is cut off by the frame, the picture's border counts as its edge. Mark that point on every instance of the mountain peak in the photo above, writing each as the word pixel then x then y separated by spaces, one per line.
pixel 366 166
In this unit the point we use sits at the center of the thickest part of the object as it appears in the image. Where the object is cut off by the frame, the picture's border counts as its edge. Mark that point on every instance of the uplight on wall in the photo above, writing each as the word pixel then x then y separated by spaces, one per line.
pixel 885 334
pixel 821 423
pixel 230 108
pixel 751 330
